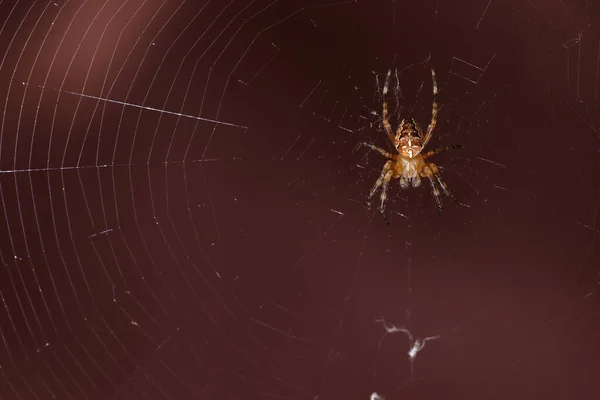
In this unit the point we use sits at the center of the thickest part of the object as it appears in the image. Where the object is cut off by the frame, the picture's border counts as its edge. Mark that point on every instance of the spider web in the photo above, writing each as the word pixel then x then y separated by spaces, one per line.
pixel 182 193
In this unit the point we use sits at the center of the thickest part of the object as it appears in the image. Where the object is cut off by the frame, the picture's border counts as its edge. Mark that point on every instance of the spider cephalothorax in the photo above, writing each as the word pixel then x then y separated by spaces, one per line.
pixel 410 164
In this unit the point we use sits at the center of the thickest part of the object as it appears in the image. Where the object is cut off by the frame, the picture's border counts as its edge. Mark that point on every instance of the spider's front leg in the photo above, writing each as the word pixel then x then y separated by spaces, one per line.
pixel 447 191
pixel 434 189
pixel 432 172
pixel 383 180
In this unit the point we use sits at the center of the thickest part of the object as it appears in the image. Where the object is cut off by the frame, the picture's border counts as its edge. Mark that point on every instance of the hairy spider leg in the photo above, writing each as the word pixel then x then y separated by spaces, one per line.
pixel 436 194
pixel 384 179
pixel 434 110
pixel 386 167
pixel 380 150
pixel 432 171
pixel 441 149
pixel 438 176
pixel 386 122
pixel 386 182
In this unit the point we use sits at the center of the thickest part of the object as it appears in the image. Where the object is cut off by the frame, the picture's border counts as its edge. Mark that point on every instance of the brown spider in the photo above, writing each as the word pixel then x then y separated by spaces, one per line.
pixel 410 165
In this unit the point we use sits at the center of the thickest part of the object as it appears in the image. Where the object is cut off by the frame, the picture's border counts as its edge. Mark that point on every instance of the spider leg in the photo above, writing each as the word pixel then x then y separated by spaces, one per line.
pixel 436 193
pixel 436 172
pixel 386 122
pixel 379 150
pixel 384 178
pixel 386 181
pixel 430 153
pixel 434 110
pixel 386 168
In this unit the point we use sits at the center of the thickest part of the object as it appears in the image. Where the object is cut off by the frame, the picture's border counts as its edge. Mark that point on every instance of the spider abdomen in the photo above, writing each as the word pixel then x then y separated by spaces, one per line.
pixel 409 127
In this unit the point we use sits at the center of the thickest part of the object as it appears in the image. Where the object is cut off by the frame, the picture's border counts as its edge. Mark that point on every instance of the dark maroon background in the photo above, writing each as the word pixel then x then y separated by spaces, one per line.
pixel 151 254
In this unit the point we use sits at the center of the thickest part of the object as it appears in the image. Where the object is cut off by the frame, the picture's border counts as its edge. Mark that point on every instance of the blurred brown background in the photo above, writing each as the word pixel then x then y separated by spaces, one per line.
pixel 182 193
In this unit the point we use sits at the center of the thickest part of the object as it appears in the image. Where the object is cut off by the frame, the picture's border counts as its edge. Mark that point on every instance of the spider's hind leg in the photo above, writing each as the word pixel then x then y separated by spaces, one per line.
pixel 434 110
pixel 385 115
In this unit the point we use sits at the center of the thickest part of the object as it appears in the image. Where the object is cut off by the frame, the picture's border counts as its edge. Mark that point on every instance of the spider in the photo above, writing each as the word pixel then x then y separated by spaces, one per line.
pixel 410 164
